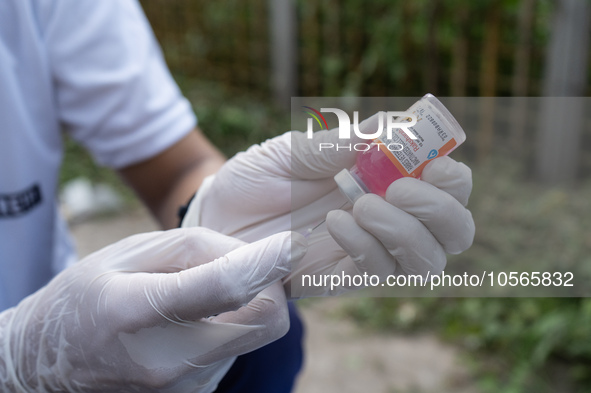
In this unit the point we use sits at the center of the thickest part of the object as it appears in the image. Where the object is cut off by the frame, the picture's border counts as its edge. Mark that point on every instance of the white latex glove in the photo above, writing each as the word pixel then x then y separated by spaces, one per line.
pixel 138 316
pixel 287 183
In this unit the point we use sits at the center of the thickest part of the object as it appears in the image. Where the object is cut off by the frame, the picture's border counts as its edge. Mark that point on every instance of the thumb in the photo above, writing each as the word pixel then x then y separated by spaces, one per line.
pixel 226 283
pixel 326 154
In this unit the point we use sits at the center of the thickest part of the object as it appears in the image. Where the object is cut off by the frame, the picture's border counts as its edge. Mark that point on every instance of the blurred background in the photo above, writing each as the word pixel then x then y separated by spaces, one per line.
pixel 240 61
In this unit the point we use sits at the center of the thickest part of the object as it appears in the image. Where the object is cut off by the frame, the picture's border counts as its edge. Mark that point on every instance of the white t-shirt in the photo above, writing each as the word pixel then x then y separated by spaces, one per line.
pixel 90 68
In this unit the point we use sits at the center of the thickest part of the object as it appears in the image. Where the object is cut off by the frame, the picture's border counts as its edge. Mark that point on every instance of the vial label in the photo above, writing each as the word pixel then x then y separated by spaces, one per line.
pixel 434 139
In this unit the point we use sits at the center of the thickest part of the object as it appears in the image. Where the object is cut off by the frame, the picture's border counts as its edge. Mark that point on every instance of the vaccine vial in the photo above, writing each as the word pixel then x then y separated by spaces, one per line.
pixel 388 159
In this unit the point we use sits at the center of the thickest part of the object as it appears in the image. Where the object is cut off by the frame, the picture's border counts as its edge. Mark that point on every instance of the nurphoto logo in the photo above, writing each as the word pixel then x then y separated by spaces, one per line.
pixel 391 119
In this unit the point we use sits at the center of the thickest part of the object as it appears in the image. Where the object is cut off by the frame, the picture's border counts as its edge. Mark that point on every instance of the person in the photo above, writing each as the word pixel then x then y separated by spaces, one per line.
pixel 171 311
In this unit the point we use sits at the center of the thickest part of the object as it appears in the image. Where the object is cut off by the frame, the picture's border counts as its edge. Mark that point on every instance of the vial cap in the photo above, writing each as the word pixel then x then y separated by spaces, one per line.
pixel 444 114
pixel 349 187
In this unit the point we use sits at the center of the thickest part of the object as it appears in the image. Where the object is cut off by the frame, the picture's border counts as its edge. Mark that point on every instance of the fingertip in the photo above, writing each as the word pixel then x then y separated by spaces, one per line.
pixel 466 237
pixel 286 245
pixel 249 269
pixel 298 247
pixel 364 207
pixel 334 216
pixel 451 176
pixel 401 189
pixel 445 168
pixel 366 252
pixel 339 224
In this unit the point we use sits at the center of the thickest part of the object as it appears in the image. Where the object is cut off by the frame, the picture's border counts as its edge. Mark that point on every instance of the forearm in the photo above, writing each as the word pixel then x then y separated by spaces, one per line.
pixel 183 190
pixel 167 181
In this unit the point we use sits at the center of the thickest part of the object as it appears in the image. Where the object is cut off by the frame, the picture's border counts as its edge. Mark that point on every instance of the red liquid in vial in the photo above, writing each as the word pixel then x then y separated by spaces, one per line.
pixel 375 170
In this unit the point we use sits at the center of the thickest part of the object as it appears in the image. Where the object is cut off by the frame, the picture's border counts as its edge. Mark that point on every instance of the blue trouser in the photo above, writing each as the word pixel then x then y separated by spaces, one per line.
pixel 270 369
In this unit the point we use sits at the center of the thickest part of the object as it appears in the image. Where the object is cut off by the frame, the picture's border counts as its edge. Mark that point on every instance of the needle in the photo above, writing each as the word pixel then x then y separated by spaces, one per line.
pixel 310 230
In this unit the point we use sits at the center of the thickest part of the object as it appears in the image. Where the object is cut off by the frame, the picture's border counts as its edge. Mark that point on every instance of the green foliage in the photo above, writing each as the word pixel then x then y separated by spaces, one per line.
pixel 519 344
pixel 350 47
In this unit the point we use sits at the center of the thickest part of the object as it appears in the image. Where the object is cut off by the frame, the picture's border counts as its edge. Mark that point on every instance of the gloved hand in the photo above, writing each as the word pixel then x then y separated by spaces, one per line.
pixel 409 231
pixel 287 183
pixel 157 312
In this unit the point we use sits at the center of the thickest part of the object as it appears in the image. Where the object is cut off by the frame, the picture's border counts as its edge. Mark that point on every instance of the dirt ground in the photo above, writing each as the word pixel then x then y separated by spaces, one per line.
pixel 340 357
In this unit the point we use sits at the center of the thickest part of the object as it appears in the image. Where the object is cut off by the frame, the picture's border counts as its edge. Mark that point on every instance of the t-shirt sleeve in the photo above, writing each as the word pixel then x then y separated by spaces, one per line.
pixel 115 94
